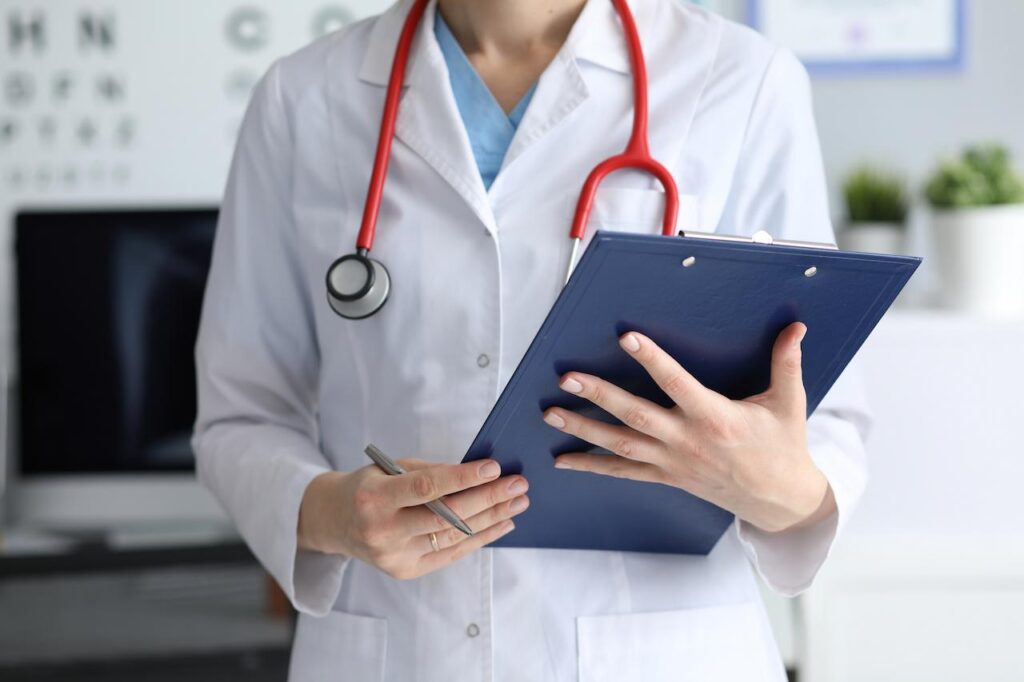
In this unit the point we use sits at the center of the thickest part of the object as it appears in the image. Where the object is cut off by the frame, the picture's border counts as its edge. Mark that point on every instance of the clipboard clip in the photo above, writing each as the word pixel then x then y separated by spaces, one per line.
pixel 759 237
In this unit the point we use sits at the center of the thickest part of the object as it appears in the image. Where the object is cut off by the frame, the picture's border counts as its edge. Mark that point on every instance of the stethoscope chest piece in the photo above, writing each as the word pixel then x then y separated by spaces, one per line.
pixel 357 286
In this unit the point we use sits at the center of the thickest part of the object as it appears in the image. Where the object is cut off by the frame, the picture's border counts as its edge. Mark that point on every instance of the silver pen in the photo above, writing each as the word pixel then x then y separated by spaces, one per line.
pixel 391 467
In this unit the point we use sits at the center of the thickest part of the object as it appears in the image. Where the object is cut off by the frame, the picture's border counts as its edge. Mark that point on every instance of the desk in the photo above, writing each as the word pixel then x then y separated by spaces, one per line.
pixel 137 613
pixel 100 558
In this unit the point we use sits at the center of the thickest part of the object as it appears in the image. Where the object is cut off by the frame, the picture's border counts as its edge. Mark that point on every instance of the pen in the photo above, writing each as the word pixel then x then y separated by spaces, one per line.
pixel 389 466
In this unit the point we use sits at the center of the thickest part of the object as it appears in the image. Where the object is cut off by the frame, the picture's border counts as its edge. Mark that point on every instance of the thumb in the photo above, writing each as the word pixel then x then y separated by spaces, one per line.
pixel 787 383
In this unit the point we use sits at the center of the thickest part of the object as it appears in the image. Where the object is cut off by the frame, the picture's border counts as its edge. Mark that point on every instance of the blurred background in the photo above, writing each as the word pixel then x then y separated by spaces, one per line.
pixel 117 122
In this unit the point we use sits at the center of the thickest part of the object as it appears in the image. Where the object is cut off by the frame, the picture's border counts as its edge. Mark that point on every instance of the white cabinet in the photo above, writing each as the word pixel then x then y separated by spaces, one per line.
pixel 928 581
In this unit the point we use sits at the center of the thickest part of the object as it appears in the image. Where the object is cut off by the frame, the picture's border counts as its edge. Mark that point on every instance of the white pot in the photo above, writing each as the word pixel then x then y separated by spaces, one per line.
pixel 873 238
pixel 980 253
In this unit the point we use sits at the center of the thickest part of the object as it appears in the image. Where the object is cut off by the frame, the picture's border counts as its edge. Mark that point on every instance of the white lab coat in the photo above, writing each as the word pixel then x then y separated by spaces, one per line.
pixel 288 390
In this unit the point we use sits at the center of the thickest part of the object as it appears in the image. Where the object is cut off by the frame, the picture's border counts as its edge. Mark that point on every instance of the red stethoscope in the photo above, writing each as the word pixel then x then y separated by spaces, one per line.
pixel 358 286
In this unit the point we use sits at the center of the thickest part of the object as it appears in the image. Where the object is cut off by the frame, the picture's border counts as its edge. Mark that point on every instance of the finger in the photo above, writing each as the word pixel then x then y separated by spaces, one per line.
pixel 787 384
pixel 413 464
pixel 611 465
pixel 478 522
pixel 621 440
pixel 423 485
pixel 419 520
pixel 678 384
pixel 637 413
pixel 407 463
pixel 435 560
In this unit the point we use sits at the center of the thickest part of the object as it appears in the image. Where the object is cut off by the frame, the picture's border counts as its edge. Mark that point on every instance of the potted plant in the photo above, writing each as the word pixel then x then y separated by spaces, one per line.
pixel 978 227
pixel 876 210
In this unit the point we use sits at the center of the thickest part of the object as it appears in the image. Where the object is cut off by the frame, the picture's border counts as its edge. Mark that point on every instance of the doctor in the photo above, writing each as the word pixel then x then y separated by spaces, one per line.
pixel 506 108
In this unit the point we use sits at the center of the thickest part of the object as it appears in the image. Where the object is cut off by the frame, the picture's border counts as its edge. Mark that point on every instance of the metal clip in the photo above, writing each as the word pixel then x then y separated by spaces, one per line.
pixel 759 237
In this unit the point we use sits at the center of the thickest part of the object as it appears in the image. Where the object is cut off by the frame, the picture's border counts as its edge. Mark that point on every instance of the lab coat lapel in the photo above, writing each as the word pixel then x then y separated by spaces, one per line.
pixel 597 42
pixel 428 122
pixel 559 92
pixel 595 38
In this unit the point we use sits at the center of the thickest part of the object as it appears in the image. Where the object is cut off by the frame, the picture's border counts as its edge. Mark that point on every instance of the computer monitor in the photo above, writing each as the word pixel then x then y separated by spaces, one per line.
pixel 108 305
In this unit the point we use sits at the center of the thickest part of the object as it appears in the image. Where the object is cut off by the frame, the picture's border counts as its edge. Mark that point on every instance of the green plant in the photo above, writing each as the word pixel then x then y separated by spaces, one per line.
pixel 982 176
pixel 875 196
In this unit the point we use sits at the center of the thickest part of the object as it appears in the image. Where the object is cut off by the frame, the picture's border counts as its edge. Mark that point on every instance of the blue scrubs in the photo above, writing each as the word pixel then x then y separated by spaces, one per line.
pixel 489 128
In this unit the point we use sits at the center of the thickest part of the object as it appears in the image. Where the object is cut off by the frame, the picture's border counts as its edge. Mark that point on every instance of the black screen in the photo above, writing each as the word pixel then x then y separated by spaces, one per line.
pixel 108 310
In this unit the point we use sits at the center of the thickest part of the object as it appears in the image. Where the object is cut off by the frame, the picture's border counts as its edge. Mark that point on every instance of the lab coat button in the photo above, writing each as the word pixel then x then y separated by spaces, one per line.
pixel 473 630
pixel 482 361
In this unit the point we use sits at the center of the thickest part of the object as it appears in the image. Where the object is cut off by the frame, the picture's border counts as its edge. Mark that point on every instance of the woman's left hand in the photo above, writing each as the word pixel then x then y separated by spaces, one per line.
pixel 747 456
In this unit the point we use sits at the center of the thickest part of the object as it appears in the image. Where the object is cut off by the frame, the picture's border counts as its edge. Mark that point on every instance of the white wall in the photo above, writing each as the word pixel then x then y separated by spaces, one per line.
pixel 908 120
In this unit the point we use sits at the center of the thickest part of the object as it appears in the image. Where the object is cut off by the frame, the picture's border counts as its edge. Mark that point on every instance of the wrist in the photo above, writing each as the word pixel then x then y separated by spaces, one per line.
pixel 800 498
pixel 810 501
pixel 822 503
pixel 319 520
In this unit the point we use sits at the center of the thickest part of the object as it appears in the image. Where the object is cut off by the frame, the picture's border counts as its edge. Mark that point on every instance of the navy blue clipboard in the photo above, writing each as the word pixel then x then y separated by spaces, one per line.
pixel 719 318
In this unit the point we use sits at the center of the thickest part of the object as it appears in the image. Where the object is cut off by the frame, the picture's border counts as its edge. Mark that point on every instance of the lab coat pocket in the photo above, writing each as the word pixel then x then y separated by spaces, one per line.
pixel 722 643
pixel 631 209
pixel 339 647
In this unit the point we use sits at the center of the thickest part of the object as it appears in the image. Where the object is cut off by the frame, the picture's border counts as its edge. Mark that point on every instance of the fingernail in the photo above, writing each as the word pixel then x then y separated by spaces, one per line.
pixel 560 464
pixel 490 470
pixel 571 385
pixel 552 419
pixel 630 343
pixel 801 335
pixel 519 504
pixel 509 527
pixel 517 486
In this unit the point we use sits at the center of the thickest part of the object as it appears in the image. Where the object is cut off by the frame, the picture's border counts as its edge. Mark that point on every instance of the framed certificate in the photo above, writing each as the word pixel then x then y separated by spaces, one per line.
pixel 830 35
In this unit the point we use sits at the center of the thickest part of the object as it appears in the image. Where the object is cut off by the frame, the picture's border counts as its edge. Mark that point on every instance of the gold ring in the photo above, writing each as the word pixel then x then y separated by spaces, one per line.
pixel 433 542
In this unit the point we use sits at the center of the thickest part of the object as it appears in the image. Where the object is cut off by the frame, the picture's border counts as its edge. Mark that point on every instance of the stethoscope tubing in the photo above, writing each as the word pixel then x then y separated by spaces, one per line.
pixel 389 117
pixel 636 155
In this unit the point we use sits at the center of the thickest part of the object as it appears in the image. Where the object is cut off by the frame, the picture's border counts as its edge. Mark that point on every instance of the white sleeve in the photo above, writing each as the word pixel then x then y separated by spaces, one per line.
pixel 257 362
pixel 779 186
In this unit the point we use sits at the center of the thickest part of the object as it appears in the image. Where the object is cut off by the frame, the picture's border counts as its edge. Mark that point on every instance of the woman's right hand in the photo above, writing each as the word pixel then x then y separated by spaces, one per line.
pixel 381 519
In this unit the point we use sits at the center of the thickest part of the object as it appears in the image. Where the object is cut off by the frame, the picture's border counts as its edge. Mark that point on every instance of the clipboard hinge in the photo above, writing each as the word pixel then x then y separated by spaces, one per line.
pixel 759 237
